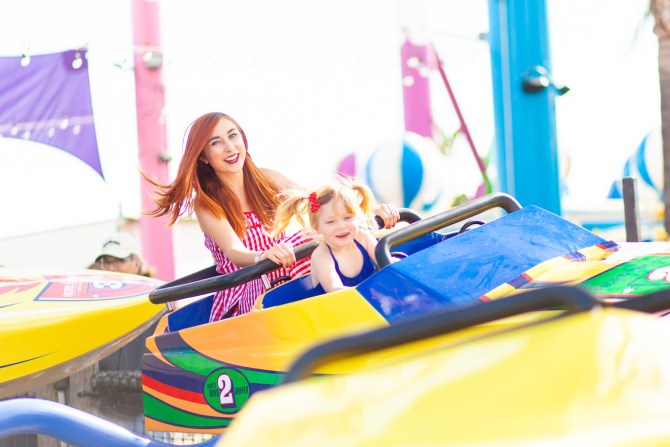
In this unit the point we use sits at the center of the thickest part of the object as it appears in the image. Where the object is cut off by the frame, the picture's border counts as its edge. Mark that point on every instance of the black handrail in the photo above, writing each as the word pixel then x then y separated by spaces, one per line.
pixel 574 299
pixel 178 289
pixel 438 221
pixel 651 303
pixel 208 280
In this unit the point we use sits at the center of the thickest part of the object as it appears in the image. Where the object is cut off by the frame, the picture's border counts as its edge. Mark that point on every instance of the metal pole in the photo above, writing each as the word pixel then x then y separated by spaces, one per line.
pixel 524 100
pixel 631 209
pixel 156 235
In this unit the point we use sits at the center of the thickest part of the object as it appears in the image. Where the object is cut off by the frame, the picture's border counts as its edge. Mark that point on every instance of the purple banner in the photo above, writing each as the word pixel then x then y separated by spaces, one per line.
pixel 47 98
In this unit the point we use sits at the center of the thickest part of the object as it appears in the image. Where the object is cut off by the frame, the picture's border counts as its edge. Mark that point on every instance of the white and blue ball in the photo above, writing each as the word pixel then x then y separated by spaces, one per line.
pixel 645 164
pixel 409 173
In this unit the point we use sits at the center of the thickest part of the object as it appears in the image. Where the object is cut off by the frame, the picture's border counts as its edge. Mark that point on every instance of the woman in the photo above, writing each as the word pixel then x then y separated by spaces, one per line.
pixel 234 202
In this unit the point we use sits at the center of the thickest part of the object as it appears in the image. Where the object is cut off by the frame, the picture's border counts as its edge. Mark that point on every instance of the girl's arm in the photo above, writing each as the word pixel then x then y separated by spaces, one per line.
pixel 369 241
pixel 323 270
pixel 224 236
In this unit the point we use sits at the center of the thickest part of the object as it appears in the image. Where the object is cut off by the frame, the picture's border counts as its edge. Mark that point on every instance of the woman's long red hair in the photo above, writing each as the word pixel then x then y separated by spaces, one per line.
pixel 197 186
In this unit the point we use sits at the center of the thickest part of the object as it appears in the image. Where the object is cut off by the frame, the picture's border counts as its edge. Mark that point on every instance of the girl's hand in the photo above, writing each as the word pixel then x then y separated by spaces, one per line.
pixel 389 214
pixel 281 254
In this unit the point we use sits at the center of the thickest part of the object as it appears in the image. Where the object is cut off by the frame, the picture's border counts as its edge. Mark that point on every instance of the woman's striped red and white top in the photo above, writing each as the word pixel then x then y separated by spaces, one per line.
pixel 257 239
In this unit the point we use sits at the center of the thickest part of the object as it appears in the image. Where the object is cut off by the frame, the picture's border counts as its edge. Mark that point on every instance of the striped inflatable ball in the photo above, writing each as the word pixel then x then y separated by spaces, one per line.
pixel 409 173
pixel 646 165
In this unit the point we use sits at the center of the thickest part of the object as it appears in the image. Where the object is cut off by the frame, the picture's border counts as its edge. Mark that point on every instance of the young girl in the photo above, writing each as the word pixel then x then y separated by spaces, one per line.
pixel 339 213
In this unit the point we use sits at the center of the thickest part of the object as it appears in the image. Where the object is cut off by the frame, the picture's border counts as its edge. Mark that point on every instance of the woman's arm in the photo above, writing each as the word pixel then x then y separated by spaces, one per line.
pixel 389 214
pixel 222 233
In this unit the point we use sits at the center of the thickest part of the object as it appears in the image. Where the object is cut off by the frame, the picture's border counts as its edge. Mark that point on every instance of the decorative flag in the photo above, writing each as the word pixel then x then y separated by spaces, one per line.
pixel 47 98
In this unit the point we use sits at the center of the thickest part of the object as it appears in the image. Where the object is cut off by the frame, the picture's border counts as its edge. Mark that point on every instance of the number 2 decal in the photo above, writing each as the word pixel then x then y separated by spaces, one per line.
pixel 226 390
pixel 226 396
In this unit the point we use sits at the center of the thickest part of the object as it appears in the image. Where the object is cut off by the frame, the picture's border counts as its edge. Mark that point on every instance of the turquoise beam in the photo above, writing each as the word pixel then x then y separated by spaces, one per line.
pixel 524 103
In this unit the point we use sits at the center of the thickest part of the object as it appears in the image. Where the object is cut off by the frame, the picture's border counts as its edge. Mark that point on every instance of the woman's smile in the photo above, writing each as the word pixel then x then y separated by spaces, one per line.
pixel 232 159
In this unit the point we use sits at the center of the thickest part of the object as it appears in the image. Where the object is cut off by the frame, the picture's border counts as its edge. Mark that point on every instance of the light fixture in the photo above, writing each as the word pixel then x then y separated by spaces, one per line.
pixel 153 59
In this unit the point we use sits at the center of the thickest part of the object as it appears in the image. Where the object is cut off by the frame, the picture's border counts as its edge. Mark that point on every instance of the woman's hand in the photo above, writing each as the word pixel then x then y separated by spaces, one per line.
pixel 389 214
pixel 282 254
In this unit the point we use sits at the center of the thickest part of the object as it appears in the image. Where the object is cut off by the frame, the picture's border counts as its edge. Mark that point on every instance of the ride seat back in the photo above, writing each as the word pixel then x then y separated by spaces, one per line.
pixel 295 290
pixel 193 314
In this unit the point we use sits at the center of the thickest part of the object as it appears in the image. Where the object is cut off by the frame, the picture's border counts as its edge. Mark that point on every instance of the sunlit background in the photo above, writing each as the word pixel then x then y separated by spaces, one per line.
pixel 311 82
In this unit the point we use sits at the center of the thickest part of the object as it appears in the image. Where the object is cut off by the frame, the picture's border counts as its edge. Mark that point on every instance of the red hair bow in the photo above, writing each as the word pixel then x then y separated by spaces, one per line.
pixel 313 203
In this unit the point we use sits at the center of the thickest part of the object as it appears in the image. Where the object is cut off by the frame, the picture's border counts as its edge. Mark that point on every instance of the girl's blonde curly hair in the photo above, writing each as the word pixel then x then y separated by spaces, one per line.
pixel 355 195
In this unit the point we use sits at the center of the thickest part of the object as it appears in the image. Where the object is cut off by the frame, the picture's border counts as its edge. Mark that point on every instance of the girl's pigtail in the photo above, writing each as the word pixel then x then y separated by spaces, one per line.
pixel 294 205
pixel 367 201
